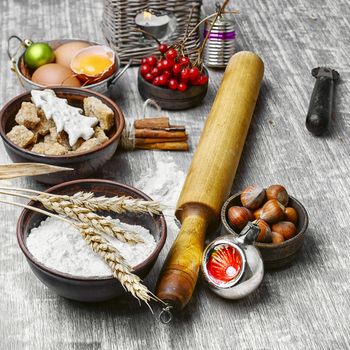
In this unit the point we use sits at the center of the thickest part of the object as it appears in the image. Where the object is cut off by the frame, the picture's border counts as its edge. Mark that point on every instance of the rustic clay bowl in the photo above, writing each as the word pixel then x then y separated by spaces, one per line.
pixel 170 99
pixel 274 255
pixel 85 163
pixel 90 289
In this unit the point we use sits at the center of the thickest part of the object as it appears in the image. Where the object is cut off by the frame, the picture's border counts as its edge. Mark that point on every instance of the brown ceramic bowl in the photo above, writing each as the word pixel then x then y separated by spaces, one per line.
pixel 274 255
pixel 170 99
pixel 90 289
pixel 85 163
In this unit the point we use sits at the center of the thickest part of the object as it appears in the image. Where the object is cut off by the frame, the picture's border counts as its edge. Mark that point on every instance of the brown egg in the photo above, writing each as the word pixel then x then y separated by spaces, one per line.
pixel 55 74
pixel 66 52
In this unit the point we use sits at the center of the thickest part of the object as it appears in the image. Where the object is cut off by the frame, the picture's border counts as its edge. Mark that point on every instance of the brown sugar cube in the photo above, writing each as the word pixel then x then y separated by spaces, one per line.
pixel 50 149
pixel 44 126
pixel 88 145
pixel 100 135
pixel 27 115
pixel 93 107
pixel 60 137
pixel 21 136
pixel 78 144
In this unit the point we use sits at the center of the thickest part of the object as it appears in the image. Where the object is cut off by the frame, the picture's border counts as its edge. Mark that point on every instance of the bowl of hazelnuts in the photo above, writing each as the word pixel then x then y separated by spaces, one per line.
pixel 282 220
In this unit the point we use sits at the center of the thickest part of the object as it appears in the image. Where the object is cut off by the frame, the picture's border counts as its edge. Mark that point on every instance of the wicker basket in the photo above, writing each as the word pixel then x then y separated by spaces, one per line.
pixel 118 25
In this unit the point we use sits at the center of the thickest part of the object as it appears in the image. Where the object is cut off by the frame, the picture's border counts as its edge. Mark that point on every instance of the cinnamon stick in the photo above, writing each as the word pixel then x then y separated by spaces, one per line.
pixel 166 146
pixel 147 133
pixel 150 123
pixel 146 141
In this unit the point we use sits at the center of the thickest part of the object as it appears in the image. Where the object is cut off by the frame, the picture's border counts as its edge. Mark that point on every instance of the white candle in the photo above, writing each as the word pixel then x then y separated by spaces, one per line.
pixel 147 19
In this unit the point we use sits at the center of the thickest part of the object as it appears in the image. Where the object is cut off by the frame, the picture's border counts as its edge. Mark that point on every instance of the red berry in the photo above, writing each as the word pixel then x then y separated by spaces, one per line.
pixel 194 82
pixel 202 80
pixel 156 81
pixel 144 61
pixel 167 64
pixel 155 71
pixel 173 84
pixel 167 74
pixel 145 68
pixel 149 77
pixel 151 60
pixel 159 66
pixel 185 75
pixel 177 68
pixel 162 48
pixel 184 61
pixel 182 87
pixel 163 80
pixel 171 54
pixel 194 73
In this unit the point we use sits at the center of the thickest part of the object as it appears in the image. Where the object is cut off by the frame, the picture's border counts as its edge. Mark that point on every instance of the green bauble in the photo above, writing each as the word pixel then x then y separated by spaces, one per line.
pixel 38 54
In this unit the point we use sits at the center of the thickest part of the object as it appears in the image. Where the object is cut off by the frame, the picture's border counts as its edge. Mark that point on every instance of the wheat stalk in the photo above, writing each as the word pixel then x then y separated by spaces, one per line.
pixel 120 269
pixel 9 171
pixel 115 204
pixel 84 215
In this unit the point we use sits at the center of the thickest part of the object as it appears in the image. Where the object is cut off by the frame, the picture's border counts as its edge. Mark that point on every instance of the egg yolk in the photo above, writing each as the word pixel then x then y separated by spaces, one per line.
pixel 92 65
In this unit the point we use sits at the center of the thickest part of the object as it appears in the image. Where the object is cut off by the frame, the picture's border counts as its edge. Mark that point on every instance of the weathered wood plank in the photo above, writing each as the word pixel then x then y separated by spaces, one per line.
pixel 303 307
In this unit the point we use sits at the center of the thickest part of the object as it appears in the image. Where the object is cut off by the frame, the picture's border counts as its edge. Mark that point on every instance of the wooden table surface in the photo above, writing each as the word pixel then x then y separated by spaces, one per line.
pixel 305 306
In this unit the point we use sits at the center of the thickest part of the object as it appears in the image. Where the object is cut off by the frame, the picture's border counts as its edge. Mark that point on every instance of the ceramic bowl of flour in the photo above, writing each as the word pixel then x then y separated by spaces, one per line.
pixel 75 276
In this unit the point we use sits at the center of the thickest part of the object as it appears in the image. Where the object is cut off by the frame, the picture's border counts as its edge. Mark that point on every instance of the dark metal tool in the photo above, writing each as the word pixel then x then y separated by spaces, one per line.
pixel 321 103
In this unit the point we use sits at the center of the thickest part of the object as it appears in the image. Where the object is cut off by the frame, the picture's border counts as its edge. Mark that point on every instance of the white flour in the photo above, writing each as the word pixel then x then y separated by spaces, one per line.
pixel 164 184
pixel 58 245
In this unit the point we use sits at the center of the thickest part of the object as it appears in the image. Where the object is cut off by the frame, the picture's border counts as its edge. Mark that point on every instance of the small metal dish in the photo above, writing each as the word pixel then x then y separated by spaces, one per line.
pixel 274 255
pixel 98 288
pixel 24 77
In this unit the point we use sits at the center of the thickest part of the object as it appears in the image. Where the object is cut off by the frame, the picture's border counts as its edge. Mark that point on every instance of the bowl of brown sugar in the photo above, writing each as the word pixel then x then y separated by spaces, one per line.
pixel 63 126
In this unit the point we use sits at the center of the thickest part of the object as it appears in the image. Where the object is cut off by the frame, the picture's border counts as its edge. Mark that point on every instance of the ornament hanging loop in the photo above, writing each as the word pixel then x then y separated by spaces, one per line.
pixel 166 316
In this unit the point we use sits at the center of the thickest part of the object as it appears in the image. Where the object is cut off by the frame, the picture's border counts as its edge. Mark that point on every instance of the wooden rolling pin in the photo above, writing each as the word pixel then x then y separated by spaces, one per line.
pixel 211 175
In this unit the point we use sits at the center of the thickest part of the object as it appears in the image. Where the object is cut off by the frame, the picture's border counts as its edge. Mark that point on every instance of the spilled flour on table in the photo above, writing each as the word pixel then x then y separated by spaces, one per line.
pixel 164 184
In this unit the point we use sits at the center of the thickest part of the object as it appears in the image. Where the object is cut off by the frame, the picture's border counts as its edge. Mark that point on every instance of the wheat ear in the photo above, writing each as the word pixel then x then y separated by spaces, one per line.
pixel 84 215
pixel 116 204
pixel 120 269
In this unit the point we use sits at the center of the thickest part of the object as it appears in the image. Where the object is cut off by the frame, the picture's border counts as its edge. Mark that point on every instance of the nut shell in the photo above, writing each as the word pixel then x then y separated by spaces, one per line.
pixel 238 217
pixel 285 228
pixel 277 192
pixel 277 238
pixel 272 211
pixel 265 232
pixel 257 213
pixel 290 214
pixel 253 197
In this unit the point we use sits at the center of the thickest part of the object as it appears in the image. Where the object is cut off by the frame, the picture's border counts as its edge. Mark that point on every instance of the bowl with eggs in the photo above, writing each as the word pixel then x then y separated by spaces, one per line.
pixel 62 259
pixel 63 126
pixel 66 62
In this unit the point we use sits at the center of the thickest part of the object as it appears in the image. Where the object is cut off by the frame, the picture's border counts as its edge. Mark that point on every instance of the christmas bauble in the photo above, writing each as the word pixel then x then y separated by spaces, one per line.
pixel 38 54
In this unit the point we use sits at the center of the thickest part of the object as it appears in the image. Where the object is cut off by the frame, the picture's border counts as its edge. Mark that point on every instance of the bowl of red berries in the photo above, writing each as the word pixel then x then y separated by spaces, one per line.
pixel 172 80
